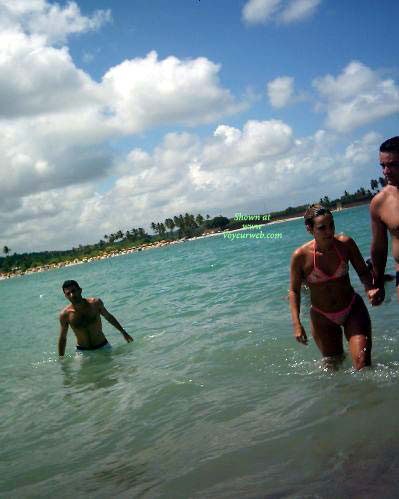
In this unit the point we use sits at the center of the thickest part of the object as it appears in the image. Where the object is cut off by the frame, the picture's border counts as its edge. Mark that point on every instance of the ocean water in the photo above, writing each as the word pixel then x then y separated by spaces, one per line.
pixel 213 399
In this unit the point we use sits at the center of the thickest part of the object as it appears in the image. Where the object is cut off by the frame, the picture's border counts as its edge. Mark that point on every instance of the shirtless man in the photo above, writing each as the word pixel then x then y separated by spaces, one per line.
pixel 83 315
pixel 384 213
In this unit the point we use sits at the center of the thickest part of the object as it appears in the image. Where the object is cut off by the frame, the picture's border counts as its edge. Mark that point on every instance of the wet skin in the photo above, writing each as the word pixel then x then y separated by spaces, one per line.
pixel 384 214
pixel 84 317
pixel 333 295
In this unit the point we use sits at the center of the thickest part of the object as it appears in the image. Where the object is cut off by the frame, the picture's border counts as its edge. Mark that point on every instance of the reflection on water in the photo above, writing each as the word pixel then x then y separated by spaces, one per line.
pixel 88 372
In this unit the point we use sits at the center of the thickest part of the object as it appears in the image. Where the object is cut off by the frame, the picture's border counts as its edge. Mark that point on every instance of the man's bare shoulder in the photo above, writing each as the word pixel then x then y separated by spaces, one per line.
pixel 380 198
pixel 66 311
pixel 95 301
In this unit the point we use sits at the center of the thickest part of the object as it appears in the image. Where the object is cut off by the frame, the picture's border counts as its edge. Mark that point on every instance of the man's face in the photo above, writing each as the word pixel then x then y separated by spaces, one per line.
pixel 73 294
pixel 389 162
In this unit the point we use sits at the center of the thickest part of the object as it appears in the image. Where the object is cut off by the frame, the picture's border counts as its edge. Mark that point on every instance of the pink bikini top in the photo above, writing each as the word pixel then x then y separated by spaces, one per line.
pixel 317 276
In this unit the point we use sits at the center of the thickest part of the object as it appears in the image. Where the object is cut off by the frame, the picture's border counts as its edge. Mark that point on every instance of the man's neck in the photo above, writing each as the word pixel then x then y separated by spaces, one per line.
pixel 80 303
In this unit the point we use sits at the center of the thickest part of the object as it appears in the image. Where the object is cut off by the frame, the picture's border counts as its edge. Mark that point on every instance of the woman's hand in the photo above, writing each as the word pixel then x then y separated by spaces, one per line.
pixel 300 334
pixel 376 296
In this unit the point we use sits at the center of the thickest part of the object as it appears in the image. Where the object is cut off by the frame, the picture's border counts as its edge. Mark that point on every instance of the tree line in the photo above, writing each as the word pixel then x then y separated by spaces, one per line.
pixel 177 227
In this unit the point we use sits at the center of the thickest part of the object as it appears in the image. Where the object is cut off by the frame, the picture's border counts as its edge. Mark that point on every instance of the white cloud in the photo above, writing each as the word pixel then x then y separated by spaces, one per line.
pixel 57 121
pixel 263 11
pixel 280 91
pixel 297 10
pixel 186 173
pixel 356 97
pixel 364 150
pixel 49 20
pixel 144 92
pixel 257 140
pixel 233 169
pixel 259 11
pixel 36 79
pixel 47 220
pixel 34 158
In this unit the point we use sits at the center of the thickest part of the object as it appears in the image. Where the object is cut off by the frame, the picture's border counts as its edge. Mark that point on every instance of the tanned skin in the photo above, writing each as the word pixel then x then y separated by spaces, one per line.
pixel 384 214
pixel 84 317
pixel 332 296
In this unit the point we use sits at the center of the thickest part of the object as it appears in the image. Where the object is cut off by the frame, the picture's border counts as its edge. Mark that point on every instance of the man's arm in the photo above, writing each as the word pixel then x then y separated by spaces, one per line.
pixel 113 321
pixel 62 340
pixel 357 260
pixel 379 249
pixel 295 297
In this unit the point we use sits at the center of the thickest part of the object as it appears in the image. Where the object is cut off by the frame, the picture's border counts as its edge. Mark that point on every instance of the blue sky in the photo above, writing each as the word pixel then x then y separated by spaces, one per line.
pixel 117 114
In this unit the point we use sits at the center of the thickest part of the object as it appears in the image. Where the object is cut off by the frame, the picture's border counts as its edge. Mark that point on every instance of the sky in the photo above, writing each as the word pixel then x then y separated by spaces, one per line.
pixel 118 114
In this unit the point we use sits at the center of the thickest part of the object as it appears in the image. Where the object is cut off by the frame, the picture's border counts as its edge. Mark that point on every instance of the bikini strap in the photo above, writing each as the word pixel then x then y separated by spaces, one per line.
pixel 314 256
pixel 339 254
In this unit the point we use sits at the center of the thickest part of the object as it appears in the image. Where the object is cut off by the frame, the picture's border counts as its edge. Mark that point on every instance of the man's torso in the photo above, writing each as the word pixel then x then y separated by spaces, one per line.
pixel 387 209
pixel 85 322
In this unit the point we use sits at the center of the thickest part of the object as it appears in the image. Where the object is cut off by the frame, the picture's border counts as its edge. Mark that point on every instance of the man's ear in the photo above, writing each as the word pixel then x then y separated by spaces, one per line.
pixel 309 229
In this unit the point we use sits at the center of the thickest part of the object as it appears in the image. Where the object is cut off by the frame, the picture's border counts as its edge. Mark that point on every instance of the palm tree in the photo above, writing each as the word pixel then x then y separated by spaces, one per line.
pixel 326 201
pixel 170 224
pixel 192 221
pixel 382 182
pixel 199 219
pixel 6 250
pixel 373 184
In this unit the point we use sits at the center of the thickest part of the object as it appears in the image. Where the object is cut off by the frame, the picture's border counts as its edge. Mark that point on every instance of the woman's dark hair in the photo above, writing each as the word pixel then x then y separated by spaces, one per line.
pixel 314 211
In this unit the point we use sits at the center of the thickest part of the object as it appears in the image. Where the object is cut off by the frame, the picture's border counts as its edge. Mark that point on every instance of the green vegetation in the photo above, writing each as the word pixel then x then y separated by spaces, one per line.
pixel 171 229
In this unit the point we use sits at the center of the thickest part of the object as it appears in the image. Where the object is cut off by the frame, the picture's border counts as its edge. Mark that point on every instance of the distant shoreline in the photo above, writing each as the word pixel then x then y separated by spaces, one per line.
pixel 147 246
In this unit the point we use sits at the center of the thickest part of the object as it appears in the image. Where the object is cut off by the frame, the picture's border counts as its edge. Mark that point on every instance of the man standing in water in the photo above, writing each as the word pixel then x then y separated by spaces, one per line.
pixel 83 315
pixel 384 213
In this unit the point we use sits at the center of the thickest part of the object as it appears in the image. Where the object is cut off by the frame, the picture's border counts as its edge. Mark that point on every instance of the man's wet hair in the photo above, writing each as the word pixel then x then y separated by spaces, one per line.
pixel 70 284
pixel 390 145
pixel 315 210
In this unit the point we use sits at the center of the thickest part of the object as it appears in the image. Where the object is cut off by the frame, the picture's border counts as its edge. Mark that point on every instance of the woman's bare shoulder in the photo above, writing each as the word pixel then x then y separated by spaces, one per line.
pixel 343 239
pixel 303 250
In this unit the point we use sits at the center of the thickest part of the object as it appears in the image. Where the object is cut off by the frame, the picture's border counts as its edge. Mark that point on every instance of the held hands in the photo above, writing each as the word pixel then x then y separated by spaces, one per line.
pixel 127 337
pixel 376 296
pixel 300 334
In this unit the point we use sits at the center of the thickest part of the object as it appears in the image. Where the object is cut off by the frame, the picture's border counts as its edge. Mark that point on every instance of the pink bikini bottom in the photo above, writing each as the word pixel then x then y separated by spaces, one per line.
pixel 338 318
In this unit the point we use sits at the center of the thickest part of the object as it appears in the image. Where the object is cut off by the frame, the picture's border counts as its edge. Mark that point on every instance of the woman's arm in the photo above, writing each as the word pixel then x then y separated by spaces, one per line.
pixel 295 296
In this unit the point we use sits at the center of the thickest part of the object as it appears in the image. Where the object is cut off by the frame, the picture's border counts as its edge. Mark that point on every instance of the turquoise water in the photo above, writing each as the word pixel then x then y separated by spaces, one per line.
pixel 213 399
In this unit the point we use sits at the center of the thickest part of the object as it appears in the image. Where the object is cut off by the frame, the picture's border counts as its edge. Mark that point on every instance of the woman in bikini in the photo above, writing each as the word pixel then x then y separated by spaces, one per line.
pixel 323 264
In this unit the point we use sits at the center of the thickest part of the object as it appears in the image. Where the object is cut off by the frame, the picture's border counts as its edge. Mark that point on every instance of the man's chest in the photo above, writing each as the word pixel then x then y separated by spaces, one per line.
pixel 390 215
pixel 83 318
